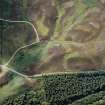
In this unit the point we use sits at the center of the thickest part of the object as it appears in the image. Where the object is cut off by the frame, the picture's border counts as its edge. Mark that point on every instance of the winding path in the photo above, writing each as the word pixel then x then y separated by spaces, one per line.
pixel 36 33
pixel 6 69
pixel 4 66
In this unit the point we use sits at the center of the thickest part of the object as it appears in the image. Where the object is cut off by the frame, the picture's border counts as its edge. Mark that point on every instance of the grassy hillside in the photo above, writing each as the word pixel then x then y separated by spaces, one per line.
pixel 72 39
pixel 71 21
